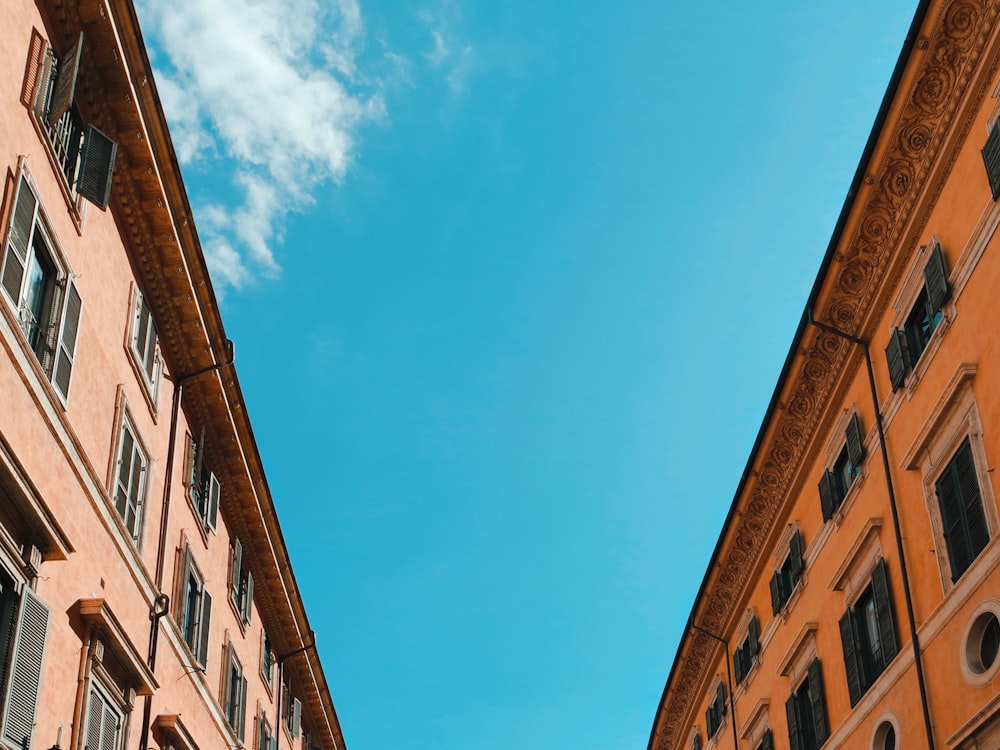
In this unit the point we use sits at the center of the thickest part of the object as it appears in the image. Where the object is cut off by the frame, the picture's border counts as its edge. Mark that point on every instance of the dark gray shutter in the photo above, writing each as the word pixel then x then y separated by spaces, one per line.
pixel 991 157
pixel 776 598
pixel 951 505
pixel 66 73
pixel 753 635
pixel 767 741
pixel 818 701
pixel 884 613
pixel 827 494
pixel 852 655
pixel 296 716
pixel 898 358
pixel 97 162
pixel 696 745
pixel 25 674
pixel 241 709
pixel 67 340
pixel 204 622
pixel 936 278
pixel 710 720
pixel 795 549
pixel 236 565
pixel 855 446
pixel 212 512
pixel 20 238
pixel 248 597
pixel 738 668
pixel 972 501
pixel 795 741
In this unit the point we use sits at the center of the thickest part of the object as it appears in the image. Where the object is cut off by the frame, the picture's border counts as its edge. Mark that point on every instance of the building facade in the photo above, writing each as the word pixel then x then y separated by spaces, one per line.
pixel 853 598
pixel 146 594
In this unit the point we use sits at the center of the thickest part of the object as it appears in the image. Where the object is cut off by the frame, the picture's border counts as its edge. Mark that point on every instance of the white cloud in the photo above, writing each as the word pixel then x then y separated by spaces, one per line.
pixel 267 90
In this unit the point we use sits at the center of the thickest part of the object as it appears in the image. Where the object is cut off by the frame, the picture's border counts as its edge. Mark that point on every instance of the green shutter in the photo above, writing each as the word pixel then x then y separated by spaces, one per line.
pixel 248 598
pixel 19 240
pixel 204 623
pixel 855 444
pixel 25 673
pixel 753 635
pixel 212 510
pixel 951 505
pixel 991 158
pixel 796 546
pixel 97 164
pixel 884 613
pixel 767 741
pixel 936 278
pixel 776 599
pixel 235 568
pixel 818 701
pixel 898 358
pixel 852 655
pixel 828 494
pixel 67 340
pixel 795 739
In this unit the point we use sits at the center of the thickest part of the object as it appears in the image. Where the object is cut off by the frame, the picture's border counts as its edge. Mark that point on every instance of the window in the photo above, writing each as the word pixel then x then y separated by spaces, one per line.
pixel 965 531
pixel 767 741
pixel 292 711
pixel 85 155
pixel 787 576
pixel 745 655
pixel 145 346
pixel 696 740
pixel 265 739
pixel 130 482
pixel 104 723
pixel 980 657
pixel 203 487
pixel 194 614
pixel 24 624
pixel 240 583
pixel 45 300
pixel 234 693
pixel 267 660
pixel 868 634
pixel 839 478
pixel 806 710
pixel 715 714
pixel 907 344
pixel 991 157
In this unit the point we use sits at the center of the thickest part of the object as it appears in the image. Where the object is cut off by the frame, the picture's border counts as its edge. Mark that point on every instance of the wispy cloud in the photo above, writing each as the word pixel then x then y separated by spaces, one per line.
pixel 267 91
pixel 455 58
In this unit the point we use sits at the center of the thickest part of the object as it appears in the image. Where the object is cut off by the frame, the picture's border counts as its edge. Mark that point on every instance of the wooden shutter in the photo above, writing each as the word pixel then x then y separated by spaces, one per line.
pixel 248 597
pixel 767 741
pixel 972 501
pixel 738 669
pixel 753 635
pixel 19 240
pixel 696 744
pixel 827 494
pixel 241 708
pixel 67 340
pixel 66 74
pixel 776 599
pixel 991 157
pixel 296 717
pixel 818 701
pixel 852 655
pixel 236 566
pixel 855 445
pixel 898 358
pixel 212 510
pixel 884 613
pixel 795 740
pixel 936 278
pixel 95 718
pixel 97 163
pixel 951 503
pixel 795 556
pixel 204 623
pixel 25 674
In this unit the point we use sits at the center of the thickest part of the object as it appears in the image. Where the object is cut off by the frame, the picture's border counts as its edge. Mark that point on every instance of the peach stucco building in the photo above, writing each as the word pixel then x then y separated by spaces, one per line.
pixel 146 595
pixel 853 598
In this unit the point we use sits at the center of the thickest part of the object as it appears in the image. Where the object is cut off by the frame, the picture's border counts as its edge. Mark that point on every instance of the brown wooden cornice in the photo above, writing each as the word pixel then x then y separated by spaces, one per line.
pixel 949 71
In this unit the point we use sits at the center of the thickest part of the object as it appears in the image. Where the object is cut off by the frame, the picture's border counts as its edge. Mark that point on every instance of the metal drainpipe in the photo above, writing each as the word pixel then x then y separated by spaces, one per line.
pixel 81 688
pixel 162 602
pixel 729 675
pixel 914 638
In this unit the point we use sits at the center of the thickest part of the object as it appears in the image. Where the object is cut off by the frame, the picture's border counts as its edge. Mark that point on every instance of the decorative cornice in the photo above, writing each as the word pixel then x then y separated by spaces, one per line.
pixel 907 170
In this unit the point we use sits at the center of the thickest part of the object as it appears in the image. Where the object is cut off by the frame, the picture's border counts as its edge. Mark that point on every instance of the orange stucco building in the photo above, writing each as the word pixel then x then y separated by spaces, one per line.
pixel 852 600
pixel 146 595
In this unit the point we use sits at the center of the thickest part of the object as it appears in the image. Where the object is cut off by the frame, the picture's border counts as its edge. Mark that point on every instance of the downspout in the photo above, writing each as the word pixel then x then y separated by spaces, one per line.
pixel 729 675
pixel 81 687
pixel 161 605
pixel 911 619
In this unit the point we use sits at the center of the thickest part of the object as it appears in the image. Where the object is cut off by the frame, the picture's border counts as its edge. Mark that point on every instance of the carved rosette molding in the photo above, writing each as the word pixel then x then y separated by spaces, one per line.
pixel 949 55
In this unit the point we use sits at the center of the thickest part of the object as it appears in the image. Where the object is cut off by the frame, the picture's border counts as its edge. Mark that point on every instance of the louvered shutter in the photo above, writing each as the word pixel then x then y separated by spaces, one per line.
pixel 776 598
pixel 739 671
pixel 241 708
pixel 855 446
pixel 818 701
pixel 97 163
pixel 67 340
pixel 950 504
pixel 795 739
pixel 936 278
pixel 234 572
pixel 710 720
pixel 296 717
pixel 49 329
pixel 898 358
pixel 795 556
pixel 19 240
pixel 66 73
pixel 212 512
pixel 767 741
pixel 991 157
pixel 204 623
pixel 884 613
pixel 248 598
pixel 696 744
pixel 972 502
pixel 852 655
pixel 753 636
pixel 95 718
pixel 26 669
pixel 827 494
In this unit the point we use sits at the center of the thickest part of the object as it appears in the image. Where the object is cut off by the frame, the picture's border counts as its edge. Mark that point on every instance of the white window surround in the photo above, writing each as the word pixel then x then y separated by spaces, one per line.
pixel 855 572
pixel 141 321
pixel 756 723
pixel 976 674
pixel 795 663
pixel 193 626
pixel 710 698
pixel 954 417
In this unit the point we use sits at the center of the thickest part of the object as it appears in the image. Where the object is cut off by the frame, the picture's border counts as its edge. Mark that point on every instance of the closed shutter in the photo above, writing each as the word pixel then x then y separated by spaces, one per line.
pixel 97 163
pixel 795 739
pixel 248 597
pixel 991 157
pixel 26 670
pixel 212 512
pixel 95 718
pixel 852 655
pixel 18 241
pixel 696 745
pixel 241 710
pixel 67 340
pixel 296 717
pixel 827 494
pixel 884 613
pixel 795 556
pixel 753 635
pixel 776 599
pixel 767 741
pixel 818 701
pixel 936 278
pixel 951 504
pixel 898 359
pixel 855 446
pixel 204 623
pixel 738 665
pixel 66 73
pixel 972 501
pixel 236 567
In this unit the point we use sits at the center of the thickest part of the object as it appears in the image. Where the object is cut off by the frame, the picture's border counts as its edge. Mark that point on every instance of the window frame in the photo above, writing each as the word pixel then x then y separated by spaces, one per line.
pixel 204 491
pixel 788 576
pixel 716 713
pixel 127 422
pixel 268 661
pixel 196 634
pixel 240 584
pixel 809 690
pixel 746 656
pixel 874 600
pixel 234 692
pixel 152 357
pixel 845 466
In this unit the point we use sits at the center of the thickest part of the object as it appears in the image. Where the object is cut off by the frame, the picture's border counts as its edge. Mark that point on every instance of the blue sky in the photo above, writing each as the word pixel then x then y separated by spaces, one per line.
pixel 511 284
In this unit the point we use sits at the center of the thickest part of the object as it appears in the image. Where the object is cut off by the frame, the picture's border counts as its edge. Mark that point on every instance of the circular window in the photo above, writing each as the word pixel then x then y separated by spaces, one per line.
pixel 885 734
pixel 981 646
